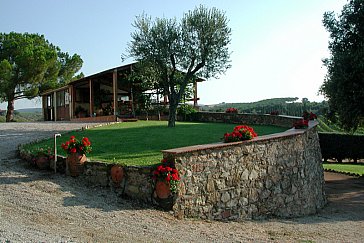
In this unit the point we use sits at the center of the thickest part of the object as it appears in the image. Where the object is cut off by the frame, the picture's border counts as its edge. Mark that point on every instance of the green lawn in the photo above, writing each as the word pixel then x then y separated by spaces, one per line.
pixel 140 143
pixel 342 167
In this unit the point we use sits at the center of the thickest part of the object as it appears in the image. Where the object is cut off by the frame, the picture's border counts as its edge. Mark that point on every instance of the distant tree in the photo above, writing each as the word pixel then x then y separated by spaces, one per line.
pixel 344 82
pixel 178 52
pixel 29 64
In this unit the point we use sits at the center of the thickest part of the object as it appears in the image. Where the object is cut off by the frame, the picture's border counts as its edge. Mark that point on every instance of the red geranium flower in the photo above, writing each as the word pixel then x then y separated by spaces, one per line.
pixel 75 146
pixel 240 133
pixel 166 173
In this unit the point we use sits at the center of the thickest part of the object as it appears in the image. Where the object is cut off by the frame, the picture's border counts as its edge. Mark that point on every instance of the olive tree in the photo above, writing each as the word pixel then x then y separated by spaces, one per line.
pixel 181 51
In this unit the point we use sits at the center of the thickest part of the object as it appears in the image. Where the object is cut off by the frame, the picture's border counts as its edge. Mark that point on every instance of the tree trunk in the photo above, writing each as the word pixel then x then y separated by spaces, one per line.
pixel 10 112
pixel 173 103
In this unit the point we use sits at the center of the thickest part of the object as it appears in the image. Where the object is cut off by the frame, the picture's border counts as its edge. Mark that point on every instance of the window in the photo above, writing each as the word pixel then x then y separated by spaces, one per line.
pixel 60 98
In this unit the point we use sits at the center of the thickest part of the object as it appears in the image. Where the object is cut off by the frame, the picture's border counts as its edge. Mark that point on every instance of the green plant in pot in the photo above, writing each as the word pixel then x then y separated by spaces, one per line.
pixel 42 156
pixel 80 112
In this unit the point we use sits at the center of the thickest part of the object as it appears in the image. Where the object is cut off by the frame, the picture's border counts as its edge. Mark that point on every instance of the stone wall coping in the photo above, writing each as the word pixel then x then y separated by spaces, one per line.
pixel 288 133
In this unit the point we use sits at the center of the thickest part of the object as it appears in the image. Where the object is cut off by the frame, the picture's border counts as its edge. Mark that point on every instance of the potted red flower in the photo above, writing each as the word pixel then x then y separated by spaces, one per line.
pixel 76 151
pixel 231 110
pixel 312 116
pixel 301 124
pixel 240 133
pixel 166 179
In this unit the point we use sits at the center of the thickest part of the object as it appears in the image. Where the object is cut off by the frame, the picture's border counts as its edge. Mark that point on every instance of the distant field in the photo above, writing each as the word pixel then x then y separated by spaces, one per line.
pixel 140 143
pixel 25 116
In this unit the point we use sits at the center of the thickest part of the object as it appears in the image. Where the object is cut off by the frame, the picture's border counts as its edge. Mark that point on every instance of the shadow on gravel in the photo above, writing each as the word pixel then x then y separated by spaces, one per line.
pixel 73 191
pixel 103 198
pixel 345 195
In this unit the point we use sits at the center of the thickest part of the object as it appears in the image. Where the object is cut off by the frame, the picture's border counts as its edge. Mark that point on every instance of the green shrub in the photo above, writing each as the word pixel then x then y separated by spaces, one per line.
pixel 186 111
pixel 341 146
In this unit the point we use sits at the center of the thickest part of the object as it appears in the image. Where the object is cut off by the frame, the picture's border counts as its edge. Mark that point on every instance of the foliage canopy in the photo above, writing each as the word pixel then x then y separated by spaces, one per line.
pixel 29 64
pixel 173 53
pixel 344 82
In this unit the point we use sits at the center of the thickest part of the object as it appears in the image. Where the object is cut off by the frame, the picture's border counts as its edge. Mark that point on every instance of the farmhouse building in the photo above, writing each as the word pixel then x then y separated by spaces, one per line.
pixel 106 96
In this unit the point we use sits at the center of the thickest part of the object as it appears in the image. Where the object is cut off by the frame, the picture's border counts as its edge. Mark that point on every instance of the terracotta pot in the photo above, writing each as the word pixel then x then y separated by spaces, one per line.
pixel 75 163
pixel 42 162
pixel 117 174
pixel 162 189
pixel 167 203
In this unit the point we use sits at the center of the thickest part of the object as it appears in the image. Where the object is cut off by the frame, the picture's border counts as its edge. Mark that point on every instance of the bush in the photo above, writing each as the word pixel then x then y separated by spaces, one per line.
pixel 185 111
pixel 341 146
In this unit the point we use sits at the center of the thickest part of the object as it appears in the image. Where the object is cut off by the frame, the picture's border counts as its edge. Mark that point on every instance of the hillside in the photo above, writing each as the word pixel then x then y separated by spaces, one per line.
pixel 25 115
pixel 285 106
pixel 30 110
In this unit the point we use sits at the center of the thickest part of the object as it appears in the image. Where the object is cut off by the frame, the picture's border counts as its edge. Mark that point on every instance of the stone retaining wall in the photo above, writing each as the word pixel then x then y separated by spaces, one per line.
pixel 136 184
pixel 249 119
pixel 275 175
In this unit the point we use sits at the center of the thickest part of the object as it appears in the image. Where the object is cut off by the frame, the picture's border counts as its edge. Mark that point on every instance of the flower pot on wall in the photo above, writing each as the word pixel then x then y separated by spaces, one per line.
pixel 162 189
pixel 42 162
pixel 163 195
pixel 117 174
pixel 75 163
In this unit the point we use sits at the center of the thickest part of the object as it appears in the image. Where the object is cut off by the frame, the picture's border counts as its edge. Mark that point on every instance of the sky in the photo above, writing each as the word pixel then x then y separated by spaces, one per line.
pixel 277 46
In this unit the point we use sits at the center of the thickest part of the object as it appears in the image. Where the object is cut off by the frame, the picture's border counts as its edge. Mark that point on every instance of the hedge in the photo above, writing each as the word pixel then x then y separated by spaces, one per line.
pixel 341 146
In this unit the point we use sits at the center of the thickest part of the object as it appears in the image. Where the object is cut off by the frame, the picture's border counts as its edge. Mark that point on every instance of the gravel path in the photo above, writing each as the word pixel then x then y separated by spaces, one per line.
pixel 38 206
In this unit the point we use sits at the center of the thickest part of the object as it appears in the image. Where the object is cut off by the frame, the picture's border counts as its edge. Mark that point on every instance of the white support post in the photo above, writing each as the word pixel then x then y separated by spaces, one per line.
pixel 55 151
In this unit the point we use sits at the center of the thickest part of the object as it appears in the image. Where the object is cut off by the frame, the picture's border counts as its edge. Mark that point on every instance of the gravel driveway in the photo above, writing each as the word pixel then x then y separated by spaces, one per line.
pixel 38 206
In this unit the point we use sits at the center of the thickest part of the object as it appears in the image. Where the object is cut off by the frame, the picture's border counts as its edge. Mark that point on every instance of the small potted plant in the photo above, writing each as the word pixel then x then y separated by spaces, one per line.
pixel 117 174
pixel 166 179
pixel 240 133
pixel 80 112
pixel 42 156
pixel 76 151
pixel 231 110
pixel 309 116
pixel 312 116
pixel 301 124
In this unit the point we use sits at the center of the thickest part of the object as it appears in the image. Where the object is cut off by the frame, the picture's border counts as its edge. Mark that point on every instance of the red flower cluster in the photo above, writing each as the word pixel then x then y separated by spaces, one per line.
pixel 312 116
pixel 231 110
pixel 166 173
pixel 75 146
pixel 274 113
pixel 240 133
pixel 301 124
pixel 309 116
